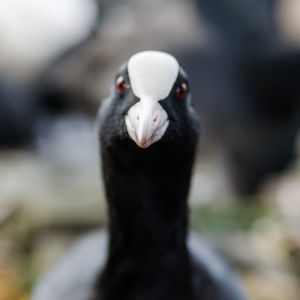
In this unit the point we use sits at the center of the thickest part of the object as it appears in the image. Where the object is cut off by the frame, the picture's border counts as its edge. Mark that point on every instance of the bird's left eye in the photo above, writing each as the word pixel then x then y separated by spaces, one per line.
pixel 181 90
pixel 121 84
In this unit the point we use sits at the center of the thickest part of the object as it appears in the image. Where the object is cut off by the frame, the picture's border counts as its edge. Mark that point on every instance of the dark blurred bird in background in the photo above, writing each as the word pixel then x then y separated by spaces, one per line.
pixel 246 81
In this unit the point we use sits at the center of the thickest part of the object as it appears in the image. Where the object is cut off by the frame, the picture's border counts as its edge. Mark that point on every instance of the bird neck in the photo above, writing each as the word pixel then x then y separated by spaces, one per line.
pixel 147 210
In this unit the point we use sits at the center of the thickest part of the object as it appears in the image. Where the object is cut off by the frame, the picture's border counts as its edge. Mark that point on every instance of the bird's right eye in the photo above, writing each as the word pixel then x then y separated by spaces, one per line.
pixel 121 84
pixel 181 90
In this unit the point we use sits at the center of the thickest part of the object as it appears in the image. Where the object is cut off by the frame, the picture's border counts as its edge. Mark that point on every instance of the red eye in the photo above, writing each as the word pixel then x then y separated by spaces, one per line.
pixel 181 90
pixel 121 84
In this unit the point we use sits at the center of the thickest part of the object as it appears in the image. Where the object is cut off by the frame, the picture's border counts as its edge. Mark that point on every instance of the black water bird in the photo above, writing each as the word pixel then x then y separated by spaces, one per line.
pixel 148 138
pixel 246 89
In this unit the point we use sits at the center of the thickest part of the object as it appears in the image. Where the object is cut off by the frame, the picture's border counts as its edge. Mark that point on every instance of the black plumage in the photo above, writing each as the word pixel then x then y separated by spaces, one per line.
pixel 147 189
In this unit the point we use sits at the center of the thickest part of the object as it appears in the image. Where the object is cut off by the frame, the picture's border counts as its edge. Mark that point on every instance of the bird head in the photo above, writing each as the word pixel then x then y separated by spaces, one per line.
pixel 150 102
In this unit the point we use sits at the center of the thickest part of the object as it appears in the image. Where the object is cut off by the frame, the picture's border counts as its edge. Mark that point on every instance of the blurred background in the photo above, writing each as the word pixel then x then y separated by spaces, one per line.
pixel 57 62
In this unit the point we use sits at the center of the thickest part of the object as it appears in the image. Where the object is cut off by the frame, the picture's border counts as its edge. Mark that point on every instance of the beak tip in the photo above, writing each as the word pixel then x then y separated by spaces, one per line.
pixel 143 146
pixel 143 143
